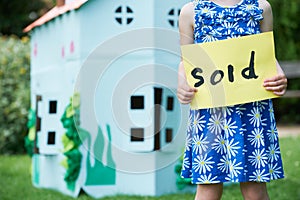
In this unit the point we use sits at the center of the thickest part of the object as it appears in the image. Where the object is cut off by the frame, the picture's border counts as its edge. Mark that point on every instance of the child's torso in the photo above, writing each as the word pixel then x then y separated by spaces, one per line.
pixel 215 22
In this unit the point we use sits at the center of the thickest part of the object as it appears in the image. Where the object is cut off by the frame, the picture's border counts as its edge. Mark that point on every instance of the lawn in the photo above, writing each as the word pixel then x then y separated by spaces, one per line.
pixel 15 180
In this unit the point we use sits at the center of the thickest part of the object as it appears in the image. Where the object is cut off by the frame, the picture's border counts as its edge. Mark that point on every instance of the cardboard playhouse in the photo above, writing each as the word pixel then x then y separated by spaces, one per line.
pixel 105 117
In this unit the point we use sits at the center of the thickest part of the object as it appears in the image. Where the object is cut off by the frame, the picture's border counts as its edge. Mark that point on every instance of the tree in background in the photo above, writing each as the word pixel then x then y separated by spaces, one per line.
pixel 15 15
pixel 287 39
pixel 287 28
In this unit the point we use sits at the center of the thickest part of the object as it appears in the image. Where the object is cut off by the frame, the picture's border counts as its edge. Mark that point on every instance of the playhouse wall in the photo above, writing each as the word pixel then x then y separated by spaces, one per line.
pixel 70 40
pixel 167 13
pixel 51 43
pixel 118 65
pixel 132 184
pixel 105 101
pixel 165 180
pixel 99 19
pixel 54 67
pixel 54 45
pixel 49 173
pixel 152 182
pixel 120 50
pixel 88 51
pixel 126 184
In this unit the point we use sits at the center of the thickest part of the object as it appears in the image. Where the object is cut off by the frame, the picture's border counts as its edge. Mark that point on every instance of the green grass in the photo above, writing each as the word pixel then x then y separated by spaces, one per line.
pixel 15 180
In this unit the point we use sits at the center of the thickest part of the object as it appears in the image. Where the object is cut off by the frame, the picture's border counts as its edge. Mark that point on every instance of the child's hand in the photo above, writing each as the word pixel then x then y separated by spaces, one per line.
pixel 276 84
pixel 185 93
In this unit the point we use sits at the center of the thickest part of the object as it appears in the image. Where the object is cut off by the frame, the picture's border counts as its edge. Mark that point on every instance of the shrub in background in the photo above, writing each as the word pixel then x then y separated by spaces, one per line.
pixel 14 93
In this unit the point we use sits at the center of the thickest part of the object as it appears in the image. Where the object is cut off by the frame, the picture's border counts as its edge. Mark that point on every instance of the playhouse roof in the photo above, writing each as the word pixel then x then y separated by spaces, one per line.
pixel 55 12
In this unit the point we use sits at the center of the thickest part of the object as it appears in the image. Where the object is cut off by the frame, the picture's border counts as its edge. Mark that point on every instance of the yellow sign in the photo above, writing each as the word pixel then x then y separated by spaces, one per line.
pixel 230 72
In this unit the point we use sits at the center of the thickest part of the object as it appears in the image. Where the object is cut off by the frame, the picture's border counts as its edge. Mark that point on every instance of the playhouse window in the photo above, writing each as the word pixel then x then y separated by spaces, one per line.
pixel 169 135
pixel 170 103
pixel 124 15
pixel 52 107
pixel 137 135
pixel 173 17
pixel 137 102
pixel 51 138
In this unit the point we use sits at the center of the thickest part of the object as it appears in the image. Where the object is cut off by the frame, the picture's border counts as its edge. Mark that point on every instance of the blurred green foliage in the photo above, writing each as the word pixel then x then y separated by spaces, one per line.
pixel 287 44
pixel 14 92
pixel 286 28
pixel 287 109
pixel 15 15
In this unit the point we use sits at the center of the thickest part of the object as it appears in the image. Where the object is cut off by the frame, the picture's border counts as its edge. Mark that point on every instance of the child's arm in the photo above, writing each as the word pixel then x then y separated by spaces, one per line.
pixel 278 83
pixel 185 93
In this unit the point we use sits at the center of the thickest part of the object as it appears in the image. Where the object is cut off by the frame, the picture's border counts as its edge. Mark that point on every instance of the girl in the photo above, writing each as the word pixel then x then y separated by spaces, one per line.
pixel 236 143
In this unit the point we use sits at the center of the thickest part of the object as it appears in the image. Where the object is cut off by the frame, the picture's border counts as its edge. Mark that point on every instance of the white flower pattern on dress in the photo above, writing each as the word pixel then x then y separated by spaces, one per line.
pixel 198 122
pixel 275 171
pixel 230 127
pixel 256 137
pixel 223 164
pixel 272 133
pixel 232 147
pixel 235 168
pixel 200 144
pixel 190 122
pixel 188 143
pixel 259 176
pixel 186 163
pixel 273 152
pixel 258 158
pixel 215 123
pixel 207 179
pixel 220 144
pixel 255 117
pixel 202 164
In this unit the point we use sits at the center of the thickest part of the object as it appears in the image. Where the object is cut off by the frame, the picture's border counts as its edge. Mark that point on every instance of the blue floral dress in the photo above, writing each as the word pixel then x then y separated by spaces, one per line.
pixel 237 143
